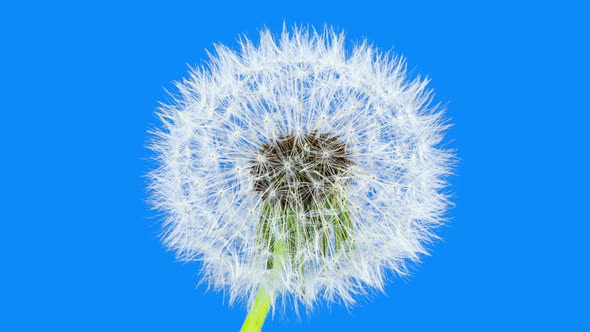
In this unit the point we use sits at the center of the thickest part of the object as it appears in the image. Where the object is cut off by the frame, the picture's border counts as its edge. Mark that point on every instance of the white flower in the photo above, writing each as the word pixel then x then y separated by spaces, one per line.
pixel 301 168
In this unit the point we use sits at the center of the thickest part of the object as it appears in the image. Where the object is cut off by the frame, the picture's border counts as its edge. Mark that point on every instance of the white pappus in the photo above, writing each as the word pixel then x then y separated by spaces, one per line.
pixel 301 167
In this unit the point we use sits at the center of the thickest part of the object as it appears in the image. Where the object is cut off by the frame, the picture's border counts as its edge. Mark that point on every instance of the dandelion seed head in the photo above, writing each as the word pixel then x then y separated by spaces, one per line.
pixel 298 166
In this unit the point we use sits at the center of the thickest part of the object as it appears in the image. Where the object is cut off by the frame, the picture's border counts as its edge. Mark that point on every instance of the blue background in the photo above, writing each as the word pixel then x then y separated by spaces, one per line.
pixel 79 86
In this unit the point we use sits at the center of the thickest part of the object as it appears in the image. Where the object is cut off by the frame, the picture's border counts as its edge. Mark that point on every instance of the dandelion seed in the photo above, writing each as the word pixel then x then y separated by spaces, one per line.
pixel 310 171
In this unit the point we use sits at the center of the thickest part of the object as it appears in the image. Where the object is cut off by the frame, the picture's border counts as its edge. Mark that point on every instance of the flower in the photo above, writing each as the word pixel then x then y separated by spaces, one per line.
pixel 294 169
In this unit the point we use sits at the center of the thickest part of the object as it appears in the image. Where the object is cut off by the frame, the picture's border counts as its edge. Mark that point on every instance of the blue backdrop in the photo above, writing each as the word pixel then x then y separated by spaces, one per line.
pixel 79 86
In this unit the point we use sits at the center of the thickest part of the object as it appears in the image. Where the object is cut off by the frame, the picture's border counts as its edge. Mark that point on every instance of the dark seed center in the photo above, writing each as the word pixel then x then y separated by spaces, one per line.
pixel 301 170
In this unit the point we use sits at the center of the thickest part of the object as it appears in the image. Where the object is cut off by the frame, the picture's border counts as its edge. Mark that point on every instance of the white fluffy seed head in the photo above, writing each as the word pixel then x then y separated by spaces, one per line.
pixel 299 167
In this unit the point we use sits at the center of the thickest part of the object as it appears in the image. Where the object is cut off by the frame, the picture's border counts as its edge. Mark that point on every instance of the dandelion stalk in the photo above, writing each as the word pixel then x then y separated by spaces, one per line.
pixel 257 315
pixel 262 303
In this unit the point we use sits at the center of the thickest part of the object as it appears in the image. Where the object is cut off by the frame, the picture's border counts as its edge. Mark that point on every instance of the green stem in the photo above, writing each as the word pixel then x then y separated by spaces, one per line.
pixel 257 314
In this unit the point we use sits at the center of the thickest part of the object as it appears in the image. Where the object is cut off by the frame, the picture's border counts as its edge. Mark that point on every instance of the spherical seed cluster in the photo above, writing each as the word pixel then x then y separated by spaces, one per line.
pixel 299 167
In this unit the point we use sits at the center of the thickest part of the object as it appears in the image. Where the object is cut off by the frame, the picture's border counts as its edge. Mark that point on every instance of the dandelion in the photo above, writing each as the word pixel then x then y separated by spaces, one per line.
pixel 296 171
